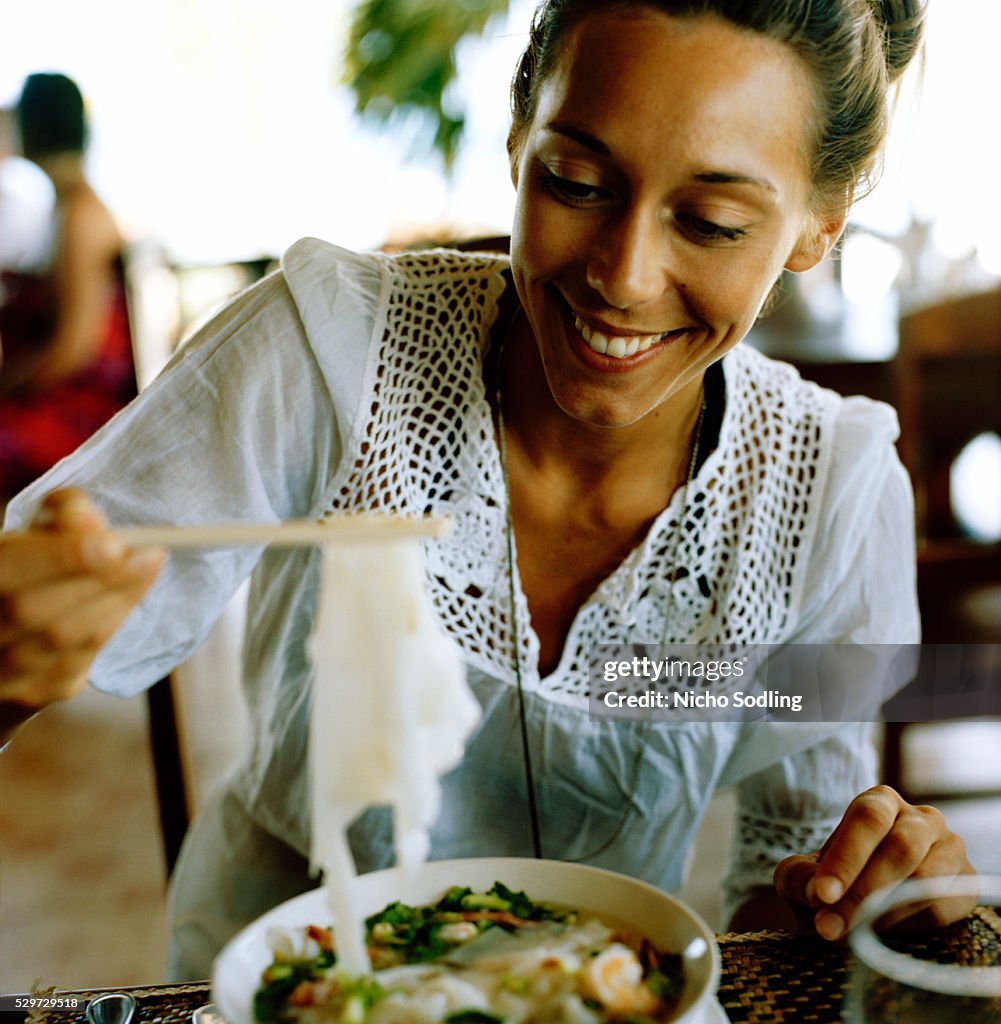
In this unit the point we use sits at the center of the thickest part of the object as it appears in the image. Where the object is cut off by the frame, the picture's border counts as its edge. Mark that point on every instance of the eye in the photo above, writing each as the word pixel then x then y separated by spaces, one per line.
pixel 709 231
pixel 574 193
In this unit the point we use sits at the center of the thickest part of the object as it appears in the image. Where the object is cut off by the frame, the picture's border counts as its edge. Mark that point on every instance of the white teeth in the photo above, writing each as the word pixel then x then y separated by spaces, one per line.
pixel 617 347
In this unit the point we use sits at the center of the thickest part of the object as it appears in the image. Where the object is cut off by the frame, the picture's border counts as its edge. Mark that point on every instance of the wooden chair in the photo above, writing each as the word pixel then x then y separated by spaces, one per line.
pixel 948 390
pixel 946 385
pixel 151 296
pixel 948 372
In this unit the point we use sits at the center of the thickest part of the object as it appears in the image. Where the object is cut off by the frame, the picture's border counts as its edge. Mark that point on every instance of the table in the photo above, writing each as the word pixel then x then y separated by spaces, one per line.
pixel 768 977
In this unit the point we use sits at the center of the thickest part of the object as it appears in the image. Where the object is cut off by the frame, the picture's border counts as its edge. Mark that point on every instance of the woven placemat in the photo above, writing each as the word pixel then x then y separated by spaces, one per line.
pixel 775 977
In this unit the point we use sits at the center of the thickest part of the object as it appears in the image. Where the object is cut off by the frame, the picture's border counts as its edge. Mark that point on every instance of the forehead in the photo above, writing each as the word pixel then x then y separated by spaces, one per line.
pixel 653 85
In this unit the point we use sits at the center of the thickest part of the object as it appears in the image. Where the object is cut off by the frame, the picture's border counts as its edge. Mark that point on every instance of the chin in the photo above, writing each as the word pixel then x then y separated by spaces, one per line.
pixel 601 410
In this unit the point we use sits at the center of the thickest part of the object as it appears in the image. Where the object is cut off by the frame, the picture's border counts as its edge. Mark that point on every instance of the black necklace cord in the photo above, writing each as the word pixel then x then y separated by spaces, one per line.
pixel 696 449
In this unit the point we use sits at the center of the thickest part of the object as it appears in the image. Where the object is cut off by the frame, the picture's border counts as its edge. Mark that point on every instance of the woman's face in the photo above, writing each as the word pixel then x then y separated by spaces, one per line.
pixel 662 185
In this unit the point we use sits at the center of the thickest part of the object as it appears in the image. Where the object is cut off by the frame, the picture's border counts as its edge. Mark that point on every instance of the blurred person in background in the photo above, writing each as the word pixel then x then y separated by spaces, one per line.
pixel 67 354
pixel 25 206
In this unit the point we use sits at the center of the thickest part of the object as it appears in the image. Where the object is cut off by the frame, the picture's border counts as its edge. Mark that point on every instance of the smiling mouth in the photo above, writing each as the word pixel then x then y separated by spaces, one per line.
pixel 619 346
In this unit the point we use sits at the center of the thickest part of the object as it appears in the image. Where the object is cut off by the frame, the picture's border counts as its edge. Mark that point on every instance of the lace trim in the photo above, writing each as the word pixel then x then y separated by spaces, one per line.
pixel 427 445
pixel 760 843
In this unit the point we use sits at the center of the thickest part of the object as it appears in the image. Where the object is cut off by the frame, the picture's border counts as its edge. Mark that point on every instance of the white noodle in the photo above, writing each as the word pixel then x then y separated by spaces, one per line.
pixel 391 712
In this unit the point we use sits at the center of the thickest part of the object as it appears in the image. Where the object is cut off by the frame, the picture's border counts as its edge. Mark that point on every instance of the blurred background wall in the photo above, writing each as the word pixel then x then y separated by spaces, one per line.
pixel 224 127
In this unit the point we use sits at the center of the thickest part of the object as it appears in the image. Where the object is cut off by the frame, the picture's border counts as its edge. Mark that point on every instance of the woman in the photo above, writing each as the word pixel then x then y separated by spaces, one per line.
pixel 67 351
pixel 619 470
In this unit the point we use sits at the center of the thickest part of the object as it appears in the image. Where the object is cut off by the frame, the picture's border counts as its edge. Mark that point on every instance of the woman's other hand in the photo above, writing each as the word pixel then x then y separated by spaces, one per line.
pixel 881 840
pixel 66 585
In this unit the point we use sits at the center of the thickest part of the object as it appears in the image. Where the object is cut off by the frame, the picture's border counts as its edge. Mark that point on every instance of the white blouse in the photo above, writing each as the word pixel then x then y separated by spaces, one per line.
pixel 348 382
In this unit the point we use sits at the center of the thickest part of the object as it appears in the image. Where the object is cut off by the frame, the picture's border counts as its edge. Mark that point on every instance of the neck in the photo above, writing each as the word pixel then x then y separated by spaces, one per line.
pixel 655 450
pixel 65 171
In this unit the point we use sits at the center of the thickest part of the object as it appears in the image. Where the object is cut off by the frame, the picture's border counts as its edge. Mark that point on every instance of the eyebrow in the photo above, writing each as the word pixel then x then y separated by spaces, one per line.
pixel 732 178
pixel 586 139
pixel 592 142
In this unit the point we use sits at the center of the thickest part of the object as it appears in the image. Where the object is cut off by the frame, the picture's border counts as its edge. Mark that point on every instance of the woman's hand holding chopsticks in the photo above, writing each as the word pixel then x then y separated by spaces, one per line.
pixel 68 582
pixel 66 585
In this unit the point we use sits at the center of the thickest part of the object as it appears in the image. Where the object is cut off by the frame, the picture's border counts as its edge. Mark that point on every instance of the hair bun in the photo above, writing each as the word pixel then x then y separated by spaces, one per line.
pixel 901 23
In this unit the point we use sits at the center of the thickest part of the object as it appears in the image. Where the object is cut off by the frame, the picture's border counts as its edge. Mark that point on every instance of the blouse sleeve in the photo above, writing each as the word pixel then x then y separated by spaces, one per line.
pixel 241 426
pixel 860 589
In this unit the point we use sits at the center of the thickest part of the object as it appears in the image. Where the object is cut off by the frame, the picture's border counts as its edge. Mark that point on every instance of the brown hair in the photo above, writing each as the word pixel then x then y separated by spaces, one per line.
pixel 854 49
pixel 50 116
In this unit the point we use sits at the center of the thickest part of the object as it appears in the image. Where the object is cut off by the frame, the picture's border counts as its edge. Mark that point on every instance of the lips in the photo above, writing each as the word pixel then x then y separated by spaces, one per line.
pixel 619 346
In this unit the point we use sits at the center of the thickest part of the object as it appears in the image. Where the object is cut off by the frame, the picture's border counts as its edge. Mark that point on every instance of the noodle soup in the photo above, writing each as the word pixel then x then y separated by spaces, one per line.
pixel 475 958
pixel 627 909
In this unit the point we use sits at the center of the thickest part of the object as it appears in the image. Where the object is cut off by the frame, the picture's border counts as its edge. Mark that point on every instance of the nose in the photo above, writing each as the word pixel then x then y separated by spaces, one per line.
pixel 628 264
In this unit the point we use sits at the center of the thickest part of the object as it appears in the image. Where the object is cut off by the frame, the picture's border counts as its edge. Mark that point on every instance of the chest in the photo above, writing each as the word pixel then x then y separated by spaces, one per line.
pixel 561 564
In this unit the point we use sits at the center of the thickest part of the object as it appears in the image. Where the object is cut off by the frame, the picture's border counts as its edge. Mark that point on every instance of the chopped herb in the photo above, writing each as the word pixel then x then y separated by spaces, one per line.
pixel 452 900
pixel 279 982
pixel 667 979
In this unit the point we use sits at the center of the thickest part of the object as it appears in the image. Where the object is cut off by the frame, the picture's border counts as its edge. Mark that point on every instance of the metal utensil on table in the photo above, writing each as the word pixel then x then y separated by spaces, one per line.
pixel 207 1014
pixel 111 1008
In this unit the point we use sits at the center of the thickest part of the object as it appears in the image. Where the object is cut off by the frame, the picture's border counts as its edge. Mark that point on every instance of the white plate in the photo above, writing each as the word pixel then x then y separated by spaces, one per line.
pixel 666 921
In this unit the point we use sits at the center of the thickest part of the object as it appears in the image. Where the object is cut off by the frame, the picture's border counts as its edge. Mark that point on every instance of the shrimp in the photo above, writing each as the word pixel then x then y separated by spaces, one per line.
pixel 615 979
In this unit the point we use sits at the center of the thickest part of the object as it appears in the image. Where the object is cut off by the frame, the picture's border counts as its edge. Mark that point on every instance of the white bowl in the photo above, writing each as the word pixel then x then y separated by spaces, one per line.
pixel 666 921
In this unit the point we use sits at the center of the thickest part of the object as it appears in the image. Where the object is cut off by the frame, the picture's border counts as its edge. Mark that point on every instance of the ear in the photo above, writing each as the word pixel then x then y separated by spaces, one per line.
pixel 514 147
pixel 816 241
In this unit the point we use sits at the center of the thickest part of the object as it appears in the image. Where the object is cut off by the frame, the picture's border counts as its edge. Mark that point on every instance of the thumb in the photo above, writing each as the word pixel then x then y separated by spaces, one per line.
pixel 793 880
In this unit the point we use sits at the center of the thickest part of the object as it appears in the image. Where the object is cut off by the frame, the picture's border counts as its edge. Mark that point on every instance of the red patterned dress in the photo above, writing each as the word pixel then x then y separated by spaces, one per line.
pixel 38 426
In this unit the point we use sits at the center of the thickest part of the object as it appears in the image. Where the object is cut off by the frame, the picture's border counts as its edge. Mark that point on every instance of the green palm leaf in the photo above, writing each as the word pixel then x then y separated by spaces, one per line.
pixel 400 60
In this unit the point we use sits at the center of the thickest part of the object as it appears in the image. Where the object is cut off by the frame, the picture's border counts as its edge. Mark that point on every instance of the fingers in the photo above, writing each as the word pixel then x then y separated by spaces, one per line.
pixel 73 612
pixel 866 824
pixel 69 507
pixel 65 588
pixel 941 862
pixel 66 537
pixel 880 840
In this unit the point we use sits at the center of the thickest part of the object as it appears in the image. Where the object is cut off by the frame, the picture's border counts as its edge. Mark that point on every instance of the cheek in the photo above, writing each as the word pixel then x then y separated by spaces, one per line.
pixel 545 236
pixel 539 261
pixel 732 290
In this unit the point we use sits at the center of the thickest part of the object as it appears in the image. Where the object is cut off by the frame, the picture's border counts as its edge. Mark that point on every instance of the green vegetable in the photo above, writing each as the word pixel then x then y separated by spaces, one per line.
pixel 279 972
pixel 484 901
pixel 414 930
pixel 521 905
pixel 280 980
pixel 360 995
pixel 452 900
pixel 667 979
